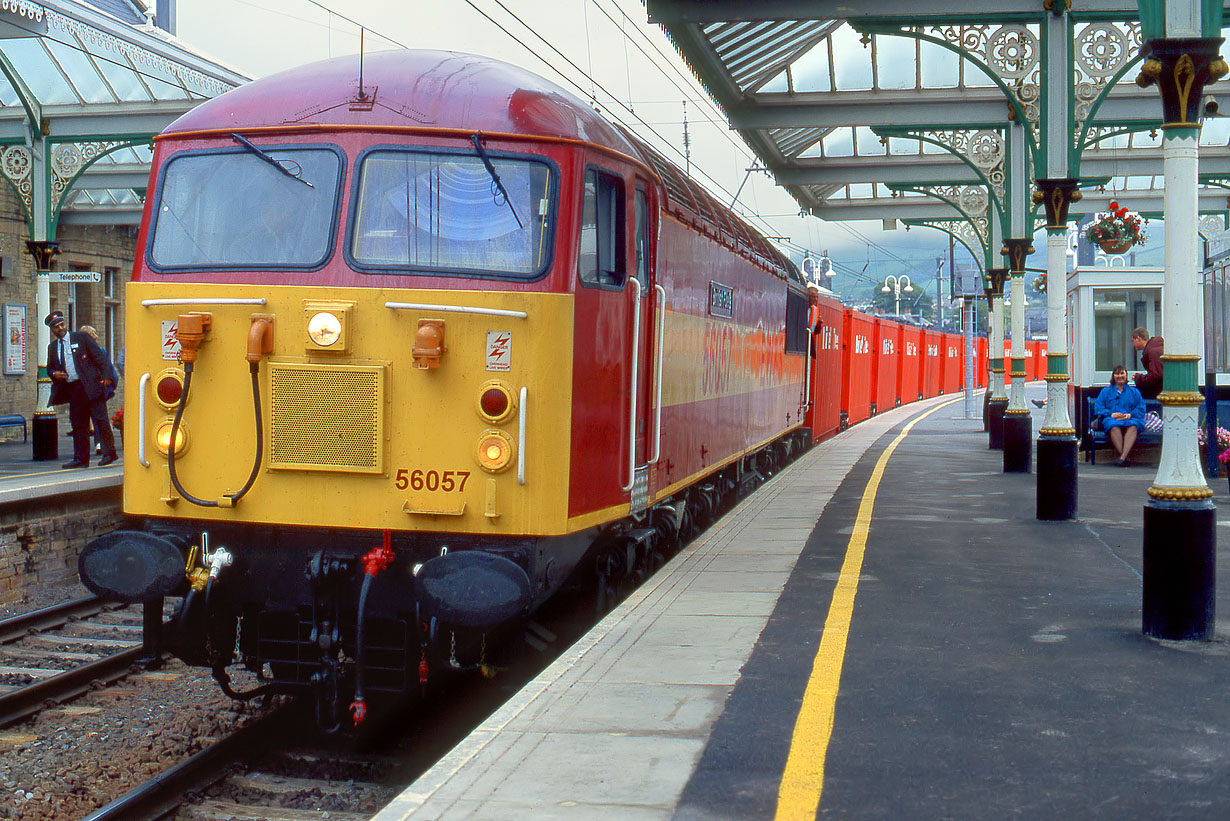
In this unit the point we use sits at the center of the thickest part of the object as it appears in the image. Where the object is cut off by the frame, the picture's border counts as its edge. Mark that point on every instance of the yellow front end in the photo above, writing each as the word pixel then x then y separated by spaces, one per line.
pixel 389 409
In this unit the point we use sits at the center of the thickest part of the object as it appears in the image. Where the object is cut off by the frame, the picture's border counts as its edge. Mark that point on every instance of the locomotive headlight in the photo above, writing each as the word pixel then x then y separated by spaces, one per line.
pixel 162 437
pixel 169 387
pixel 495 450
pixel 324 329
pixel 495 402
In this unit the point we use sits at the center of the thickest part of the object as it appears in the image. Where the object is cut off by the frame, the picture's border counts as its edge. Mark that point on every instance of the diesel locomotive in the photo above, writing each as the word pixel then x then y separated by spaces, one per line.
pixel 411 344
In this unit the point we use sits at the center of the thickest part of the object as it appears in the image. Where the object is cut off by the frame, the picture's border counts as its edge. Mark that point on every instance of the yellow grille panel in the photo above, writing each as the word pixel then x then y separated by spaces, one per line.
pixel 326 417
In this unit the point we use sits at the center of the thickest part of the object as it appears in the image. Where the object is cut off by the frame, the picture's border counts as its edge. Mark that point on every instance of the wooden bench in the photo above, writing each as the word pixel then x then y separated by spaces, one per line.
pixel 12 420
pixel 1099 436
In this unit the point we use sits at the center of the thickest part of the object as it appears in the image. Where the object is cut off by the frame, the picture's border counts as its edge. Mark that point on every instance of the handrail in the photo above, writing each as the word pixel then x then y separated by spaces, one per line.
pixel 454 309
pixel 657 376
pixel 521 438
pixel 149 303
pixel 636 377
pixel 141 423
pixel 807 371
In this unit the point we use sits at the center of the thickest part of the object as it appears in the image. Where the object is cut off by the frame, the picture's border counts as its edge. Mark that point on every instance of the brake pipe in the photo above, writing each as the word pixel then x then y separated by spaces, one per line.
pixel 375 561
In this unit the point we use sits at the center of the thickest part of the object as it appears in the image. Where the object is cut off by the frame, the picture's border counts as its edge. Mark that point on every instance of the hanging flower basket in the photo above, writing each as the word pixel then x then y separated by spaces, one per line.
pixel 1040 283
pixel 1117 230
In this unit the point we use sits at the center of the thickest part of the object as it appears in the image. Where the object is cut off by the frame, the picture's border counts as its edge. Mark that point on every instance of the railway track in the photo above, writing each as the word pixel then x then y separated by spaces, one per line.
pixel 55 654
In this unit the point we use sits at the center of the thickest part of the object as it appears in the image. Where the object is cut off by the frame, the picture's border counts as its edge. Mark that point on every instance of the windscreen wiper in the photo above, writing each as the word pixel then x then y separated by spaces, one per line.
pixel 273 162
pixel 495 178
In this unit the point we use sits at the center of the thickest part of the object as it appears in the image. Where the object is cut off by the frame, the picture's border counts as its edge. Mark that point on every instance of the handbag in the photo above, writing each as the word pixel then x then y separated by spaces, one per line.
pixel 1153 422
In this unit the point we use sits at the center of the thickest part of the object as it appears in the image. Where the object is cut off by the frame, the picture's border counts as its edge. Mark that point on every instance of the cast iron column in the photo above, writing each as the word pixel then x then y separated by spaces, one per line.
pixel 993 282
pixel 46 437
pixel 1018 424
pixel 1057 445
pixel 1179 518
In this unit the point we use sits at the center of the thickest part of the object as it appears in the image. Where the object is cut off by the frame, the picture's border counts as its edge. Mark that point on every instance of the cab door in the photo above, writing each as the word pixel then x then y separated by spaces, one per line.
pixel 613 333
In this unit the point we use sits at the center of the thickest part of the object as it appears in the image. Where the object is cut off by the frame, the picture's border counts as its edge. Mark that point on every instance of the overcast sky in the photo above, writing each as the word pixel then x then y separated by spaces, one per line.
pixel 630 65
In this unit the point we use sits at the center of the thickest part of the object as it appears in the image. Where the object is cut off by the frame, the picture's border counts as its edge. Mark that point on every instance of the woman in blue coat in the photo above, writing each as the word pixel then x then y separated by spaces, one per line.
pixel 1121 410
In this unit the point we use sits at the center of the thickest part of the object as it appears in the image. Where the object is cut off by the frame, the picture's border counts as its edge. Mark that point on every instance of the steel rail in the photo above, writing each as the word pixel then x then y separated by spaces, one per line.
pixel 28 700
pixel 55 616
pixel 166 791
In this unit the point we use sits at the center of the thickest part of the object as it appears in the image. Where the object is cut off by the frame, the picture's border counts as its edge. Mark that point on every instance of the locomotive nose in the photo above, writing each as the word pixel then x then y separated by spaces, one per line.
pixel 129 566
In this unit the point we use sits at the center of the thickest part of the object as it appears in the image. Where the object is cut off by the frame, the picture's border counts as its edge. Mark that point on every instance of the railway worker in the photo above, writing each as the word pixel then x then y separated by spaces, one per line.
pixel 1148 383
pixel 1121 411
pixel 111 374
pixel 80 376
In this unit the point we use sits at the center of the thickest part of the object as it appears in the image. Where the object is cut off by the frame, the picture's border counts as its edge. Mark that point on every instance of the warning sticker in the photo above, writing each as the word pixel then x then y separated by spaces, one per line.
pixel 499 350
pixel 170 342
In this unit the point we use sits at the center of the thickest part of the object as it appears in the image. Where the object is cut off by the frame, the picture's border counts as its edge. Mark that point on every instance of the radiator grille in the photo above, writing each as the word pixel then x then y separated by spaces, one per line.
pixel 326 417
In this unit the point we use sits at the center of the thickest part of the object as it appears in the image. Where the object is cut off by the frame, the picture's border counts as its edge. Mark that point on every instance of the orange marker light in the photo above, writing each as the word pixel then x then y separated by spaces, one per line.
pixel 162 437
pixel 495 451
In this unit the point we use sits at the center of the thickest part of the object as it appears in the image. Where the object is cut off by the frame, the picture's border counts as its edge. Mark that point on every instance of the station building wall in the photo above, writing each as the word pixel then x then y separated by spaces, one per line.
pixel 108 250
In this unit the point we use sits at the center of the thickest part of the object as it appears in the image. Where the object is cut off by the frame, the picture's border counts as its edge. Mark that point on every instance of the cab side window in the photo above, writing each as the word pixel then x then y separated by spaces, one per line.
pixel 642 235
pixel 602 254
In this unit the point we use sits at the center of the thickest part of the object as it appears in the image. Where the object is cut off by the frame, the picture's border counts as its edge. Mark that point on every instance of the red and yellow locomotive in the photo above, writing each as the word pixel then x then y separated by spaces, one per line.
pixel 405 356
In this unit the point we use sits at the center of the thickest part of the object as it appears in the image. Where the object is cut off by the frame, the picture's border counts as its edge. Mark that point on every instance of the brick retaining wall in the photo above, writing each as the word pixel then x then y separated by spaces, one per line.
pixel 40 539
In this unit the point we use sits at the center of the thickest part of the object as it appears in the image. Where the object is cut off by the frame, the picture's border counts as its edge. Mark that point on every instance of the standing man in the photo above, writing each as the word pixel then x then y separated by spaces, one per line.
pixel 1148 383
pixel 79 377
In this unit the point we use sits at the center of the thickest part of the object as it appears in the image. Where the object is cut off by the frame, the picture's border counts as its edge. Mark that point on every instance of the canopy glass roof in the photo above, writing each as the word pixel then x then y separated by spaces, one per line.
pixel 79 82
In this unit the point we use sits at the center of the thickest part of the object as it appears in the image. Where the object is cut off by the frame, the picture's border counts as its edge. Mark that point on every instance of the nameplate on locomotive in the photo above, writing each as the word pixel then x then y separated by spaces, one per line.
pixel 721 300
pixel 640 490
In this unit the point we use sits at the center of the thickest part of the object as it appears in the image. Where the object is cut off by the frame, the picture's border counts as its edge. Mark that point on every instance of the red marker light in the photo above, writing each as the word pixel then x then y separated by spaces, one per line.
pixel 170 389
pixel 494 403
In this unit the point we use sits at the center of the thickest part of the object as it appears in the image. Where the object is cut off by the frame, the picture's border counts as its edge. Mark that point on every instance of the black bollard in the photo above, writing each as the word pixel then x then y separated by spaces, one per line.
pixel 995 423
pixel 1018 442
pixel 1179 569
pixel 1056 494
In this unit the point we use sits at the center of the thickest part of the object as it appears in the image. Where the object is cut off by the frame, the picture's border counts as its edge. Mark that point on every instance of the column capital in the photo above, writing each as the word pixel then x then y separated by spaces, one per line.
pixel 1181 67
pixel 1057 195
pixel 993 282
pixel 1016 249
pixel 43 252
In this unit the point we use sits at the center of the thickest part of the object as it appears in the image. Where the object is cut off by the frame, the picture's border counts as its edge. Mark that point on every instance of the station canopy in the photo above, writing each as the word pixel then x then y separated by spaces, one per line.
pixel 897 111
pixel 84 87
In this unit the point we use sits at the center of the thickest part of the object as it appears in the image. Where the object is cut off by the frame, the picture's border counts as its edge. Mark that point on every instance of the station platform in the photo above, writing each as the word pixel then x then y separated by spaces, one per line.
pixel 23 480
pixel 884 630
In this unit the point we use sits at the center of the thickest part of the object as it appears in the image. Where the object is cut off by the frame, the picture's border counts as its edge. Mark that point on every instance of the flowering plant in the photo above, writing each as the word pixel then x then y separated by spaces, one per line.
pixel 117 419
pixel 1117 226
pixel 1223 443
pixel 1040 283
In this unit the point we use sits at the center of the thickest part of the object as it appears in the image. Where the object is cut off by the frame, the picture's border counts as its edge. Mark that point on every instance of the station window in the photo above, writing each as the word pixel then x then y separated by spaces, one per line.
pixel 1116 312
pixel 602 231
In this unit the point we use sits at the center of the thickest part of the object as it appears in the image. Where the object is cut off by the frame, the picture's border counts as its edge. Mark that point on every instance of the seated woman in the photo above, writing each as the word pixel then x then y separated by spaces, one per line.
pixel 1121 410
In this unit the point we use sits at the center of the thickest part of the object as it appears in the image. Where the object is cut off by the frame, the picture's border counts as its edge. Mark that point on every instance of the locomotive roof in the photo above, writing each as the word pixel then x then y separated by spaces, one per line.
pixel 453 90
pixel 420 89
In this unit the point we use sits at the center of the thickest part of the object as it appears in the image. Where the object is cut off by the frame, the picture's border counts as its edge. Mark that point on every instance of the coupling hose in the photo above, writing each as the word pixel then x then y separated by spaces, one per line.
pixel 260 445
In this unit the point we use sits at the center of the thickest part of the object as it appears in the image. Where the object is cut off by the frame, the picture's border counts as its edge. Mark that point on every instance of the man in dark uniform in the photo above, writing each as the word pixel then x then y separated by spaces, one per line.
pixel 79 377
pixel 1148 383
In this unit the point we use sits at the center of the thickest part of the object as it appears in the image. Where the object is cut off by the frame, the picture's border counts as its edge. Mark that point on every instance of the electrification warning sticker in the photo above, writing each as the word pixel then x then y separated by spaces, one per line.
pixel 170 341
pixel 499 350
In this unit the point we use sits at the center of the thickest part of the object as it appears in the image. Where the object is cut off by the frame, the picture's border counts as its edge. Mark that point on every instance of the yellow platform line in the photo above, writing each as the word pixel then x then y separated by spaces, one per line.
pixel 798 796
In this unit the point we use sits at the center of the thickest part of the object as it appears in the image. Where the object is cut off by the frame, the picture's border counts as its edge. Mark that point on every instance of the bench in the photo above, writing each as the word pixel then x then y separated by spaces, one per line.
pixel 1099 437
pixel 12 420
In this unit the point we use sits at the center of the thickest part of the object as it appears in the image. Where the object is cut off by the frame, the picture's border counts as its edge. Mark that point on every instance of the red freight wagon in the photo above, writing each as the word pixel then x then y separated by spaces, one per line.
pixel 954 363
pixel 1031 366
pixel 859 334
pixel 1040 359
pixel 981 377
pixel 824 415
pixel 932 363
pixel 910 362
pixel 888 340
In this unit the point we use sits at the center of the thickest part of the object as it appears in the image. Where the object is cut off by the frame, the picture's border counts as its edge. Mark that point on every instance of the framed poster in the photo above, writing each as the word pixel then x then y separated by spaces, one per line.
pixel 16 339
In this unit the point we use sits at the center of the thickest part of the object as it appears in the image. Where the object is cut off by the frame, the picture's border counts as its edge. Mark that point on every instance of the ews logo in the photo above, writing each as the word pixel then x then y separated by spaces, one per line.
pixel 861 344
pixel 911 349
